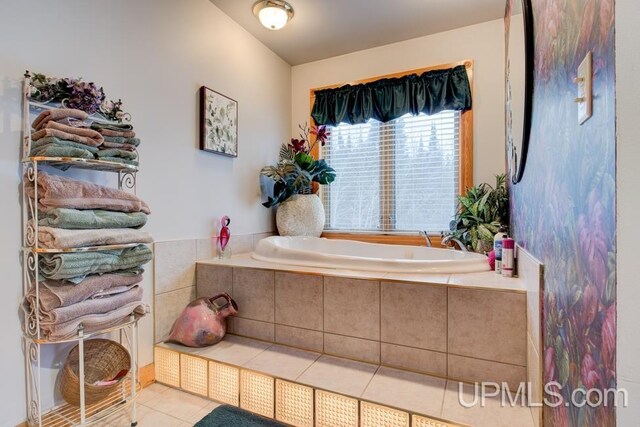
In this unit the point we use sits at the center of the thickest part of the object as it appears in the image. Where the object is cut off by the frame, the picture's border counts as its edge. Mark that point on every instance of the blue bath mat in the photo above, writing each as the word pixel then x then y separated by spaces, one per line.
pixel 227 416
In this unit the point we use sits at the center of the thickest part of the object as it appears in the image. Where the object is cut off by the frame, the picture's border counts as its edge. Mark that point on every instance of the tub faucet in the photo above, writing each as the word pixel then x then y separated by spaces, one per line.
pixel 427 239
pixel 447 239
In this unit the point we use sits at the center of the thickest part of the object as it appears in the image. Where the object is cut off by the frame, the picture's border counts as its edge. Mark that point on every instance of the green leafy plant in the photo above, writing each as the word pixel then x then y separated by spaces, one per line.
pixel 481 213
pixel 297 170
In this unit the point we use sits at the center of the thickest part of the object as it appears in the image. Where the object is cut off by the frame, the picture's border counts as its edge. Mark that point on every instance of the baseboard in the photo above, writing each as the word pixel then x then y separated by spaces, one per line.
pixel 147 376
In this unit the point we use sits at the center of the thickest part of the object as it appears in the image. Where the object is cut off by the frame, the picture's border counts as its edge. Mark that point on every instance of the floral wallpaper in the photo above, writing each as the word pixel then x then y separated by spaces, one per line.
pixel 563 211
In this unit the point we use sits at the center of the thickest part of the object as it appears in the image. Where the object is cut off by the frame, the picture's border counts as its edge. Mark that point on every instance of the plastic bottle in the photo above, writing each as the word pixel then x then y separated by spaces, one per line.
pixel 508 247
pixel 497 248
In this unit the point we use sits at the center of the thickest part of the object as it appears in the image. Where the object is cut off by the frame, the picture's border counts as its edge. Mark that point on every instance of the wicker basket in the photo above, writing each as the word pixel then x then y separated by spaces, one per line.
pixel 104 359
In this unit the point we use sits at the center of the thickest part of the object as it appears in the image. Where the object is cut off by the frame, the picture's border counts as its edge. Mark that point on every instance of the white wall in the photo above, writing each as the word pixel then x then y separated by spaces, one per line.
pixel 628 158
pixel 154 54
pixel 483 43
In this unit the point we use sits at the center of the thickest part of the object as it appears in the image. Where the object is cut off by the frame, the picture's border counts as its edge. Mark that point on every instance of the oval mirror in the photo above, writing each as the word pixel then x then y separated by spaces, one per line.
pixel 518 22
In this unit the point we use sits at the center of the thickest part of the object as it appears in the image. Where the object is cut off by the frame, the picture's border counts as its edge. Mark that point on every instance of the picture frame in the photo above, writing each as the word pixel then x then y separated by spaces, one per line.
pixel 218 123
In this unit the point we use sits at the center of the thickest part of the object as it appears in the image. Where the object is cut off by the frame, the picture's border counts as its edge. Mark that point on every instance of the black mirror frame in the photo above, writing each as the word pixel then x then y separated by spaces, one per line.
pixel 516 167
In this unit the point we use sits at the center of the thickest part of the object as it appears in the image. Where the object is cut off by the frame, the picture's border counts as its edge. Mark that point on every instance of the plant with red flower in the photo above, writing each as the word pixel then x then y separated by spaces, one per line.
pixel 321 133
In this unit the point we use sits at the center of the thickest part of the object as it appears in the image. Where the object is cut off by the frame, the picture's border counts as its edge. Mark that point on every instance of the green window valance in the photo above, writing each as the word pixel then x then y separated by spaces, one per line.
pixel 388 99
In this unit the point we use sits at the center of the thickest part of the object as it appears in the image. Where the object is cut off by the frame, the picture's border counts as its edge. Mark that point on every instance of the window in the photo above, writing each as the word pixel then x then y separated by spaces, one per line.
pixel 399 176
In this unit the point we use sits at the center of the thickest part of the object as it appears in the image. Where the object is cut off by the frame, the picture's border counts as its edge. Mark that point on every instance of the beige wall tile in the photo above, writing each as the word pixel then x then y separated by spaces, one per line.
pixel 213 279
pixel 253 290
pixel 205 249
pixel 167 308
pixel 534 377
pixel 174 265
pixel 352 348
pixel 414 315
pixel 489 325
pixel 352 307
pixel 530 272
pixel 407 390
pixel 414 359
pixel 301 338
pixel 253 328
pixel 299 300
pixel 241 244
pixel 475 370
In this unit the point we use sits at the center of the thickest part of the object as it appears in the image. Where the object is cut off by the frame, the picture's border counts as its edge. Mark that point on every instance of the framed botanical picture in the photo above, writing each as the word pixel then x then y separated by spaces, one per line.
pixel 218 123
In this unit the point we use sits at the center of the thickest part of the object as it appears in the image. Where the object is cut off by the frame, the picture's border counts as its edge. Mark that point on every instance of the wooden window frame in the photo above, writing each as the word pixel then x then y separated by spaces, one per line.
pixel 466 158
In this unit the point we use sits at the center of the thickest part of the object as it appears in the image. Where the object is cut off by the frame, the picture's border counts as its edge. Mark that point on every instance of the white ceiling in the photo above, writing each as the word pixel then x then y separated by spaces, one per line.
pixel 325 28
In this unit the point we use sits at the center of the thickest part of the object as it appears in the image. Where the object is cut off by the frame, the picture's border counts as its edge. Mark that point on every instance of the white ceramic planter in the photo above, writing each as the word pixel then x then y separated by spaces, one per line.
pixel 301 215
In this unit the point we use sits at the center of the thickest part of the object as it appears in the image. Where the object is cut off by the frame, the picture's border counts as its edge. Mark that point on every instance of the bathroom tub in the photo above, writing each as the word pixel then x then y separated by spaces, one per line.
pixel 351 255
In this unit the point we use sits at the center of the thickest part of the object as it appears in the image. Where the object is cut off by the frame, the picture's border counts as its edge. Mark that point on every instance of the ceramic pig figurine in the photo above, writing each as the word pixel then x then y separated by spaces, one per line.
pixel 203 322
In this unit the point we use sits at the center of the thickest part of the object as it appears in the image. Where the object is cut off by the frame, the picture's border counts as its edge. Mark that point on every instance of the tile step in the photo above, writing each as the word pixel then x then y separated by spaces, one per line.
pixel 304 388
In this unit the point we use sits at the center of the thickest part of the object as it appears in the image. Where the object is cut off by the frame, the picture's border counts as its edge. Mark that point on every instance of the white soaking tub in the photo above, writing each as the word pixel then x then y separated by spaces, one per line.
pixel 351 255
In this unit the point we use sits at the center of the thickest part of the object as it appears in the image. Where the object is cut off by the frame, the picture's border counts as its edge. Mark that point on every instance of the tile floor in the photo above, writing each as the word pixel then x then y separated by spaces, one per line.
pixel 162 406
pixel 387 386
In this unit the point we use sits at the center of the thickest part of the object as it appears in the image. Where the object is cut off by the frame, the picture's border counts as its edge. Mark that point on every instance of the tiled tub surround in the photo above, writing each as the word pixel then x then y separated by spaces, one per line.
pixel 470 327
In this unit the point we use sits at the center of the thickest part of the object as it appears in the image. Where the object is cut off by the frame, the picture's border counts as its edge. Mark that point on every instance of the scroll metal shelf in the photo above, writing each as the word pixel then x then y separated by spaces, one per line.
pixel 127 329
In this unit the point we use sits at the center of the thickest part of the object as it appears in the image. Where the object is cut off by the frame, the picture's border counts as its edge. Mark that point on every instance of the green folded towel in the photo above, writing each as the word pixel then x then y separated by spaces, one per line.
pixel 53 150
pixel 116 152
pixel 75 266
pixel 91 219
pixel 122 140
pixel 62 142
pixel 111 126
pixel 120 160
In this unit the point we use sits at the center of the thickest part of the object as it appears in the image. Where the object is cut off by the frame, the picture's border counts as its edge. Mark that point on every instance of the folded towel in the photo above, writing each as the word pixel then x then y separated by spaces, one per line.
pixel 50 237
pixel 112 126
pixel 124 133
pixel 59 192
pixel 90 306
pixel 81 135
pixel 122 140
pixel 57 114
pixel 70 121
pixel 94 322
pixel 60 293
pixel 88 219
pixel 54 150
pixel 75 266
pixel 122 146
pixel 120 160
pixel 62 142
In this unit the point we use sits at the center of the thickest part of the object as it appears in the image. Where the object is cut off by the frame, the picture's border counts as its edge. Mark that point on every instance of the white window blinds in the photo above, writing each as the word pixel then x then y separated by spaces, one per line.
pixel 399 176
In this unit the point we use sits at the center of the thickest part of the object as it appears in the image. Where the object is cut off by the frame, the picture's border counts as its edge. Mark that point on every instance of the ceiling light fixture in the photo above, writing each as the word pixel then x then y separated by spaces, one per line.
pixel 273 14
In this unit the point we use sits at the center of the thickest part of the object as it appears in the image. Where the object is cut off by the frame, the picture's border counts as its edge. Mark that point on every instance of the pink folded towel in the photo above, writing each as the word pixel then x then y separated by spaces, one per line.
pixel 57 114
pixel 90 306
pixel 122 133
pixel 94 322
pixel 60 293
pixel 59 192
pixel 70 133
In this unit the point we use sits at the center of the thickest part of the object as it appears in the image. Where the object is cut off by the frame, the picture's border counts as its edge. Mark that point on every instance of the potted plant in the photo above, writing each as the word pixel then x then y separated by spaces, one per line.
pixel 481 213
pixel 297 178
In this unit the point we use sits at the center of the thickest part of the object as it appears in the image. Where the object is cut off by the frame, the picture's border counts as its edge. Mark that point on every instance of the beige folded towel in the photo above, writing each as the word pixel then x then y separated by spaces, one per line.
pixel 59 192
pixel 70 133
pixel 61 293
pixel 50 237
pixel 122 133
pixel 57 114
pixel 93 322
